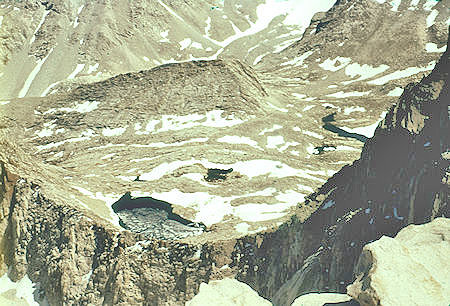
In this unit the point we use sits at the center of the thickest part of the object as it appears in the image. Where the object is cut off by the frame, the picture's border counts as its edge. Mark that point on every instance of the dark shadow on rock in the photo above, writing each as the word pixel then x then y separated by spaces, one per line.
pixel 217 174
pixel 348 303
pixel 324 148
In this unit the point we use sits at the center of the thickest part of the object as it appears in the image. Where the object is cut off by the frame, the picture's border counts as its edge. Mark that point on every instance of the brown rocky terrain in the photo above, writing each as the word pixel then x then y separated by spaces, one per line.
pixel 245 154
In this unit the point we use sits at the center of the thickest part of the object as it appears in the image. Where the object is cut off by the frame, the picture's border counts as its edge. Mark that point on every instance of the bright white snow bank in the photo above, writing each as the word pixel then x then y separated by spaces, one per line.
pixel 342 94
pixel 399 74
pixel 365 71
pixel 335 64
pixel 23 290
pixel 432 47
pixel 33 75
pixel 396 92
pixel 175 123
pixel 367 131
pixel 297 12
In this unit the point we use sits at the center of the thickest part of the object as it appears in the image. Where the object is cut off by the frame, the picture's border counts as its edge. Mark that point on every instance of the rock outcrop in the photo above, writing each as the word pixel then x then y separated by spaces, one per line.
pixel 410 269
pixel 320 299
pixel 227 292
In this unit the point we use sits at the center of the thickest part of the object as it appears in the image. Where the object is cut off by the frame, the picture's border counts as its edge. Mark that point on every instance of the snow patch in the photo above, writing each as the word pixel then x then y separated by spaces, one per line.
pixel 250 168
pixel 77 70
pixel 395 4
pixel 432 47
pixel 299 95
pixel 242 227
pixel 92 68
pixel 109 132
pixel 431 19
pixel 175 123
pixel 277 108
pixel 274 141
pixel 270 130
pixel 429 4
pixel 298 61
pixel 39 26
pixel 172 12
pixel 351 109
pixel 47 90
pixel 399 74
pixel 365 72
pixel 313 134
pixel 32 76
pixel 259 58
pixel 23 289
pixel 367 131
pixel 396 92
pixel 239 140
pixel 85 107
pixel 185 43
pixel 164 145
pixel 108 199
pixel 335 64
pixel 342 94
pixel 197 177
pixel 57 144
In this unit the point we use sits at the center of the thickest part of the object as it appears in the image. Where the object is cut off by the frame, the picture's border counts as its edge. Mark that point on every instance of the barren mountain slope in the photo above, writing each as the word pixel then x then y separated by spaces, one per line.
pixel 44 43
pixel 218 154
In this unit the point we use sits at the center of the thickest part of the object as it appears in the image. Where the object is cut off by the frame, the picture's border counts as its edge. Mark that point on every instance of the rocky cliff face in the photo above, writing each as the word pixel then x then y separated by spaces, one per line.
pixel 77 260
pixel 401 178
pixel 158 133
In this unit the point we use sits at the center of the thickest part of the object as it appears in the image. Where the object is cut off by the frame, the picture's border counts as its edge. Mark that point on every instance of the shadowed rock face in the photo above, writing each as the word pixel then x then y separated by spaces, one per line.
pixel 401 178
pixel 217 174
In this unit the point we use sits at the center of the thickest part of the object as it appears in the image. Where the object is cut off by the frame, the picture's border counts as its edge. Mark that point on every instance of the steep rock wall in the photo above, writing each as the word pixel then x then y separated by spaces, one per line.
pixel 401 178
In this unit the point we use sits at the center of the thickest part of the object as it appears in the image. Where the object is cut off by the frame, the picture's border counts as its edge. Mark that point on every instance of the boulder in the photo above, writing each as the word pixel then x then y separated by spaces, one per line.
pixel 227 292
pixel 320 299
pixel 410 269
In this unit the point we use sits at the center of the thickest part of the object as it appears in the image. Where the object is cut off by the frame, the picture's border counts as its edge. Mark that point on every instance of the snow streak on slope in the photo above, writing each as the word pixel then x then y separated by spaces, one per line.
pixel 32 75
pixel 39 26
pixel 297 12
pixel 402 74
